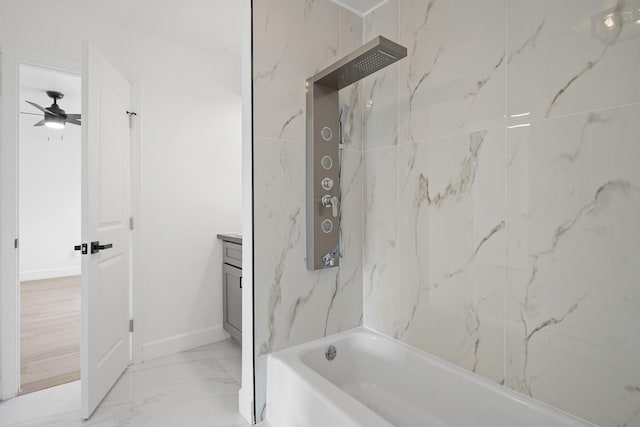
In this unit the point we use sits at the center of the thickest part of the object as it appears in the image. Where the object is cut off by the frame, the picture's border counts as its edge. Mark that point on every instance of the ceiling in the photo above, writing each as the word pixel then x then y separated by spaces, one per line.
pixel 203 24
pixel 34 81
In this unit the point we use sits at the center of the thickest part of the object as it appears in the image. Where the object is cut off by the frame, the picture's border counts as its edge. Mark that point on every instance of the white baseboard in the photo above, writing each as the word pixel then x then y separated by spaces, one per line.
pixel 245 405
pixel 49 274
pixel 182 342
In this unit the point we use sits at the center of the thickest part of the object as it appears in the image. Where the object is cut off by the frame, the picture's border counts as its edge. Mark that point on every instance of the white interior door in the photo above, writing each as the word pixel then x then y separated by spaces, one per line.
pixel 105 219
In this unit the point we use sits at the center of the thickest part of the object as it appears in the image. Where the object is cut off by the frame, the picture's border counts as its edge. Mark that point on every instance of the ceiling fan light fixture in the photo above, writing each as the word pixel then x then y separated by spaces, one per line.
pixel 54 116
pixel 54 122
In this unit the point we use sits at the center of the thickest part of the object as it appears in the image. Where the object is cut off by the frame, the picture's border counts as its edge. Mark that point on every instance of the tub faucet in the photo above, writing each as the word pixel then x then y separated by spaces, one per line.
pixel 329 260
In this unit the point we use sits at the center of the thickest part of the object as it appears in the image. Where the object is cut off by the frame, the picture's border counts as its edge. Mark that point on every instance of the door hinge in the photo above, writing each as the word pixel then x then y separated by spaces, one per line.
pixel 130 223
pixel 15 243
pixel 131 325
pixel 131 115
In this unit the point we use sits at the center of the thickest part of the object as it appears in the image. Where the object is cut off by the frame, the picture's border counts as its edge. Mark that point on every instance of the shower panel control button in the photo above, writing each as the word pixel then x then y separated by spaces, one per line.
pixel 327 184
pixel 327 226
pixel 326 133
pixel 326 162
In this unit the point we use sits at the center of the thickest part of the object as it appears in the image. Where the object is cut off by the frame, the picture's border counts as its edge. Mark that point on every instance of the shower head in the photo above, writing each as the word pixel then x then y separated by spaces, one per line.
pixel 373 56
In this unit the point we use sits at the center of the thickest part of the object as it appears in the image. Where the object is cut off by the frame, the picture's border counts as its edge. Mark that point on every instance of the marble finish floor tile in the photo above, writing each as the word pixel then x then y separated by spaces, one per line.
pixel 193 388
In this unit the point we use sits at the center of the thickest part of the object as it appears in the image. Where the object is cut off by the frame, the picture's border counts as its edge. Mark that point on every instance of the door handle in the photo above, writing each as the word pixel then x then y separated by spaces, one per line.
pixel 97 247
pixel 82 248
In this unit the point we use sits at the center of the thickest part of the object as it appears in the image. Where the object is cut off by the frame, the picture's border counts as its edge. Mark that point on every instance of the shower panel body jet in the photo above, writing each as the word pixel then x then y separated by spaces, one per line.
pixel 323 139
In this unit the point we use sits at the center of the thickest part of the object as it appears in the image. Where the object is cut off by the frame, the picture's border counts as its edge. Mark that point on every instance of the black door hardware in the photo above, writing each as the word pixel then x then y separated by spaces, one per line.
pixel 97 247
pixel 82 248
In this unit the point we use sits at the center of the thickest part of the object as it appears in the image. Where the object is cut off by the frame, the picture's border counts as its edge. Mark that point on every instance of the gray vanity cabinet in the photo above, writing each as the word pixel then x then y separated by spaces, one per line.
pixel 232 281
pixel 232 285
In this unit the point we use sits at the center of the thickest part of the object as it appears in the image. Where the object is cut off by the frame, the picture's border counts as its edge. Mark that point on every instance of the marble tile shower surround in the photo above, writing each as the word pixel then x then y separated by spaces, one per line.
pixel 493 191
pixel 292 41
pixel 502 195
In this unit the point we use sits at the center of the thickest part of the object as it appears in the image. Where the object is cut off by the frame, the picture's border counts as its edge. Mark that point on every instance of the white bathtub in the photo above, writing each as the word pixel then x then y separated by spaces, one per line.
pixel 375 381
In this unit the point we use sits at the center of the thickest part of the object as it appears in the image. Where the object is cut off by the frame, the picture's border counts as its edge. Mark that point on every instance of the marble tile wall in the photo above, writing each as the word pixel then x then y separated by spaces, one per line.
pixel 293 40
pixel 493 190
pixel 502 194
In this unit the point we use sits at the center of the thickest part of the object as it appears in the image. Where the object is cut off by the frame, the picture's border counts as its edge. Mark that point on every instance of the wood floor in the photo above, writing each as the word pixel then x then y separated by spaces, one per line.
pixel 49 332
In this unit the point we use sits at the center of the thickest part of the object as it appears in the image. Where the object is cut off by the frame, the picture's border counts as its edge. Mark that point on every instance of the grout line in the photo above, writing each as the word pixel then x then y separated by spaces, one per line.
pixel 531 122
pixel 580 113
pixel 385 147
pixel 453 135
pixel 279 140
pixel 340 51
pixel 270 140
pixel 505 125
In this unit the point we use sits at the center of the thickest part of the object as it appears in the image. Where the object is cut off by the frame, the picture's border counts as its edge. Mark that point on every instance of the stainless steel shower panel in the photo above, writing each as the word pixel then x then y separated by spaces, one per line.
pixel 322 114
pixel 323 138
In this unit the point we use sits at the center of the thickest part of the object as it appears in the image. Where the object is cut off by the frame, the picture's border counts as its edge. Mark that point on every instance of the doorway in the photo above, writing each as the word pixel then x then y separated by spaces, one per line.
pixel 49 224
pixel 105 199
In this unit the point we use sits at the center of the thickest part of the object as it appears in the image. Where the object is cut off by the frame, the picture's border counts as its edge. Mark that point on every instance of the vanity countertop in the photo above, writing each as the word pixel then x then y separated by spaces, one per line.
pixel 231 237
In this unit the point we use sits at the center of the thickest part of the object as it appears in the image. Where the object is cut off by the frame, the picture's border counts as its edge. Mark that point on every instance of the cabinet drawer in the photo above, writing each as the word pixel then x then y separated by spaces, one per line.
pixel 232 254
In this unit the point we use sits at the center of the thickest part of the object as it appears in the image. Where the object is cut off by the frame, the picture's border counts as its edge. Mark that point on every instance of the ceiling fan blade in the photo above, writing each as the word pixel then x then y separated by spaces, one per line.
pixel 31 114
pixel 37 106
pixel 40 123
pixel 73 116
pixel 74 122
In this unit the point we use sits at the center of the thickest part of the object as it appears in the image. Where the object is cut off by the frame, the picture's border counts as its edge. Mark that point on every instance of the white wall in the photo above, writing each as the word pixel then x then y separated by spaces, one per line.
pixel 185 59
pixel 49 187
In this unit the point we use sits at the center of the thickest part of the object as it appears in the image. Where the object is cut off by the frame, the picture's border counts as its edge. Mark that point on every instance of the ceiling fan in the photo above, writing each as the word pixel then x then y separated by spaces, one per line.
pixel 54 116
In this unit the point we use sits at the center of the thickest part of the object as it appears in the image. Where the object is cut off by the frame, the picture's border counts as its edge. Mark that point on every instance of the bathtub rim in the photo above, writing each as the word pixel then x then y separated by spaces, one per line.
pixel 294 357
